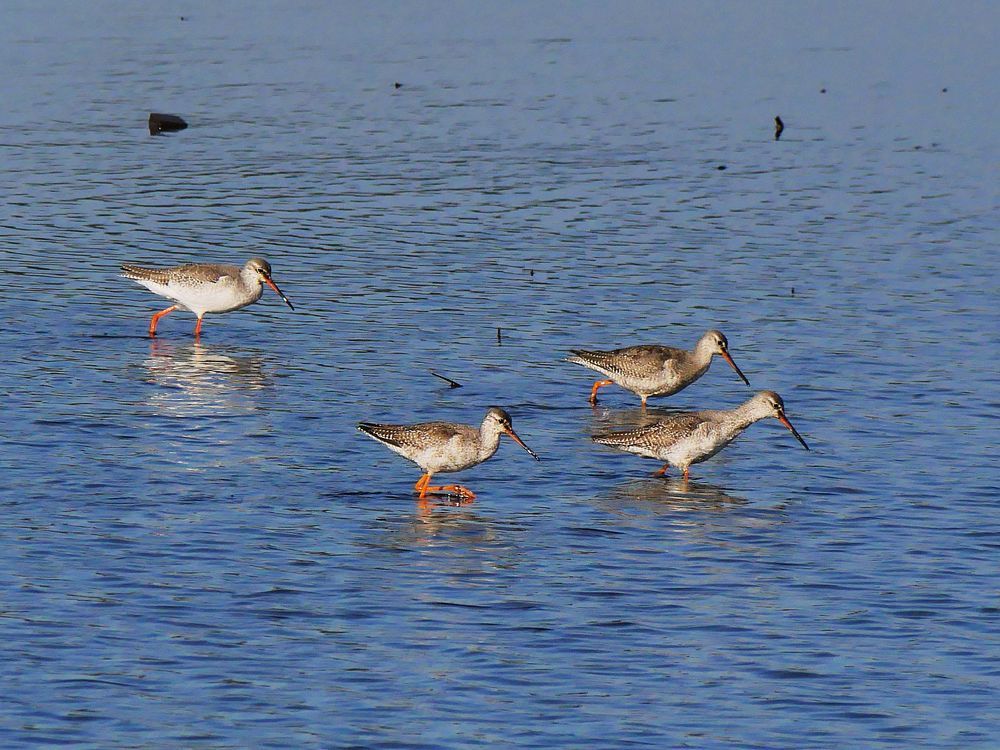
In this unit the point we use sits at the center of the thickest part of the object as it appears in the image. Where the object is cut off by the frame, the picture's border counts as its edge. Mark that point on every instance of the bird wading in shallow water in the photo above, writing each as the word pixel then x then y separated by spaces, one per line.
pixel 689 438
pixel 205 287
pixel 655 370
pixel 442 447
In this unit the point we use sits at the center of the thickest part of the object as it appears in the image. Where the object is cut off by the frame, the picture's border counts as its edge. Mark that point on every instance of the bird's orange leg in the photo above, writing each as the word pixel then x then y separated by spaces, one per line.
pixel 464 493
pixel 421 485
pixel 597 386
pixel 156 319
pixel 661 472
pixel 643 401
pixel 687 473
pixel 197 328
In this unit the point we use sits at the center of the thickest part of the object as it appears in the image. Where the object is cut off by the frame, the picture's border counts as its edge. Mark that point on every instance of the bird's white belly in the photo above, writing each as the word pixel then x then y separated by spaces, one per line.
pixel 660 384
pixel 671 381
pixel 698 447
pixel 454 455
pixel 210 297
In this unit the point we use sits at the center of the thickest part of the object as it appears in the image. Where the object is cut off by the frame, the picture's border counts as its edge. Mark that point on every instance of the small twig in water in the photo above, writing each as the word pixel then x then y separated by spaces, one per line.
pixel 449 381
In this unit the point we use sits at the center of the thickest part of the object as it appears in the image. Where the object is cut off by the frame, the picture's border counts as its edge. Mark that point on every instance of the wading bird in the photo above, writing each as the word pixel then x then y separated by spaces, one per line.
pixel 655 370
pixel 442 447
pixel 689 438
pixel 205 287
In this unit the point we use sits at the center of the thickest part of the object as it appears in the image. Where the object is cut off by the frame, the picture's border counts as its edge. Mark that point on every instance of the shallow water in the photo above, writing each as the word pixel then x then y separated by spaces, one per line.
pixel 199 550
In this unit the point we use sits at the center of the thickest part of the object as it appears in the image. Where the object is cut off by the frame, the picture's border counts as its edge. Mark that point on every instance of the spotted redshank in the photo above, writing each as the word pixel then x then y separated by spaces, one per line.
pixel 440 447
pixel 655 370
pixel 687 438
pixel 205 287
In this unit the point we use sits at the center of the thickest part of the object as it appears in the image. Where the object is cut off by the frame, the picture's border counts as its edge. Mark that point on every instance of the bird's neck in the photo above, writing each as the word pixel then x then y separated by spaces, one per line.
pixel 489 441
pixel 747 413
pixel 702 354
pixel 251 280
pixel 250 277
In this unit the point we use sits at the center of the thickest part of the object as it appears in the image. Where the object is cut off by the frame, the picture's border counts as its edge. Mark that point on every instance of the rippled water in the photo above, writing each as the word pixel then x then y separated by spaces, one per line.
pixel 199 550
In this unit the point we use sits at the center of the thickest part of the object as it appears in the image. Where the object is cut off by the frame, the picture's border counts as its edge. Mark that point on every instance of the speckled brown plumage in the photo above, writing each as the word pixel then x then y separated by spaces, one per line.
pixel 641 361
pixel 420 436
pixel 187 274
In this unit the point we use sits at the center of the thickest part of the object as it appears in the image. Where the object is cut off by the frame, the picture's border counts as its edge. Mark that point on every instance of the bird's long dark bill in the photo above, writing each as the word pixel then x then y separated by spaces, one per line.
pixel 279 293
pixel 738 370
pixel 784 420
pixel 516 439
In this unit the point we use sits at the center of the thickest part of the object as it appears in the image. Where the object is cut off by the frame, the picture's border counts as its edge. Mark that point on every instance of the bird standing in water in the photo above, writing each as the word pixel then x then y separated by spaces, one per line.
pixel 441 447
pixel 655 370
pixel 689 438
pixel 205 287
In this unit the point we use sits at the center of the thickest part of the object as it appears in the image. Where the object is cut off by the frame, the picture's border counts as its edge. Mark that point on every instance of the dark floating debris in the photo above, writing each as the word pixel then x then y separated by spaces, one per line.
pixel 822 91
pixel 779 128
pixel 499 338
pixel 721 167
pixel 159 123
pixel 944 90
pixel 397 85
pixel 449 381
pixel 793 291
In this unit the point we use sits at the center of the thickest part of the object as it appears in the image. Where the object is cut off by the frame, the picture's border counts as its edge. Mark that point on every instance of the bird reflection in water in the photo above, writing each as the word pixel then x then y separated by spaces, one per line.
pixel 437 522
pixel 669 495
pixel 197 378
pixel 701 512
pixel 615 420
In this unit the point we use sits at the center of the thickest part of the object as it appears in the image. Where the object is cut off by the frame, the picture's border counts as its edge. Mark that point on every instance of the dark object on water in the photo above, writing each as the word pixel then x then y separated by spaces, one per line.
pixel 779 128
pixel 944 90
pixel 793 291
pixel 159 123
pixel 822 91
pixel 721 167
pixel 449 381
pixel 499 339
pixel 397 85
